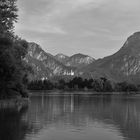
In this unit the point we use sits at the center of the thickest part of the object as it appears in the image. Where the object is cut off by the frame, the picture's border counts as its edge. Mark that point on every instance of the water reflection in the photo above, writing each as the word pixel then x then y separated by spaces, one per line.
pixel 11 125
pixel 120 114
pixel 74 117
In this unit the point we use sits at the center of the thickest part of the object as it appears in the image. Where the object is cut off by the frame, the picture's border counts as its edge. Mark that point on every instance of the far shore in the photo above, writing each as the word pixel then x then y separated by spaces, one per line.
pixel 80 92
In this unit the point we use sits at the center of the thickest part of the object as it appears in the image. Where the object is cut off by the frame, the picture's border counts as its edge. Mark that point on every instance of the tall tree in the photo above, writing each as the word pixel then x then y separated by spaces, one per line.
pixel 13 70
pixel 8 16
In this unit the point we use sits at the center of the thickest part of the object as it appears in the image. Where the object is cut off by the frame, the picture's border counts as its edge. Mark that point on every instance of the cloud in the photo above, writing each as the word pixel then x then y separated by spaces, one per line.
pixel 52 9
pixel 83 24
pixel 62 8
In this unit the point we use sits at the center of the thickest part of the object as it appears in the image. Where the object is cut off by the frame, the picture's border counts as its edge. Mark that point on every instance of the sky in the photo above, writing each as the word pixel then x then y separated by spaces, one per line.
pixel 94 27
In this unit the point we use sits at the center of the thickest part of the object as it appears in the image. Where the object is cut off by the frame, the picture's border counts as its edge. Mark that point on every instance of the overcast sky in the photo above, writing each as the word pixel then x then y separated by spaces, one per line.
pixel 94 27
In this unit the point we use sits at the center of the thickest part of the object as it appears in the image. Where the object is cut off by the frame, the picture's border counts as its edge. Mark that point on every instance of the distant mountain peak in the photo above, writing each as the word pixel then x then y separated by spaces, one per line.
pixel 137 33
pixel 44 64
pixel 133 43
pixel 82 56
pixel 135 36
pixel 79 60
pixel 61 58
pixel 79 55
pixel 123 65
pixel 61 55
pixel 34 45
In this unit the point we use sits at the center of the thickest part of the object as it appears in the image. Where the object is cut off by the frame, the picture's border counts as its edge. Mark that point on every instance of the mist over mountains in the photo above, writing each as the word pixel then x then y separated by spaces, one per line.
pixel 124 65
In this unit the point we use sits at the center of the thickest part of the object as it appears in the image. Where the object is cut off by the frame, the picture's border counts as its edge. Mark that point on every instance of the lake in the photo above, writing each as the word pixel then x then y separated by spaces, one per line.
pixel 73 117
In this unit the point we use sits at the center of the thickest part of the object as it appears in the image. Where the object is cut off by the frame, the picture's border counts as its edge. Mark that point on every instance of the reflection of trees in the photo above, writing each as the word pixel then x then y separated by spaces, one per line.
pixel 12 127
pixel 78 111
pixel 127 117
pixel 74 110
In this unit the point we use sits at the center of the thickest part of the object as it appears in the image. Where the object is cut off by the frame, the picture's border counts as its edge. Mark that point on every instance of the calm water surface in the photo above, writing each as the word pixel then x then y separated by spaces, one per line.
pixel 73 117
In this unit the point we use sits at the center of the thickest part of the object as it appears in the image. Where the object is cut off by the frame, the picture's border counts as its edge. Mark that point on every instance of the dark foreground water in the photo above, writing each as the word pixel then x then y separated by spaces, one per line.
pixel 73 117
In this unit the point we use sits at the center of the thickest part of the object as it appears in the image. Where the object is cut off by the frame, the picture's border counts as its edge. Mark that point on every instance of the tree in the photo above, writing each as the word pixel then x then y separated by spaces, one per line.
pixel 125 87
pixel 13 70
pixel 8 16
pixel 61 84
pixel 106 85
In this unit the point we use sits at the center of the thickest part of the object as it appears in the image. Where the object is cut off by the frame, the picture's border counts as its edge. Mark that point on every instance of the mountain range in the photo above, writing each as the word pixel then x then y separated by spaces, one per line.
pixel 46 65
pixel 77 60
pixel 124 65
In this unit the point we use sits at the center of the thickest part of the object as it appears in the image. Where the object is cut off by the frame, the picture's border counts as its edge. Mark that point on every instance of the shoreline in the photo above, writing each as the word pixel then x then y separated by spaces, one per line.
pixel 80 92
pixel 14 103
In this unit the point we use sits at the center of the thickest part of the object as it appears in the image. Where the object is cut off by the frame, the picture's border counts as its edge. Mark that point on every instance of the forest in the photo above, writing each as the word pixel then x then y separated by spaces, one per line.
pixel 13 70
pixel 77 83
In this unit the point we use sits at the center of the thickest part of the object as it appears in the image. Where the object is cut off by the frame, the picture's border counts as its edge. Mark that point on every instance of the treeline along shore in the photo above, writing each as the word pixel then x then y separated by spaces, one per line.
pixel 79 84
